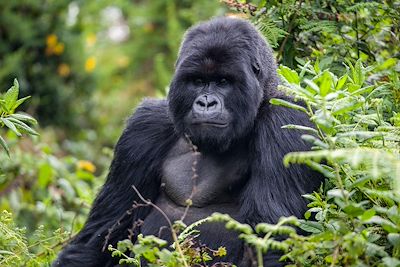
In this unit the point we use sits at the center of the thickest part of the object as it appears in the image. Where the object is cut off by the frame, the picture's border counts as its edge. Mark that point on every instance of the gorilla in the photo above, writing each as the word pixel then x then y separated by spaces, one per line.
pixel 215 140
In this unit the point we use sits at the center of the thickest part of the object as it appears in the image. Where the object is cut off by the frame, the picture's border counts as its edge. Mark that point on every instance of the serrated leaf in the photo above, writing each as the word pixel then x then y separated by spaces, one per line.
pixel 10 125
pixel 284 103
pixel 3 143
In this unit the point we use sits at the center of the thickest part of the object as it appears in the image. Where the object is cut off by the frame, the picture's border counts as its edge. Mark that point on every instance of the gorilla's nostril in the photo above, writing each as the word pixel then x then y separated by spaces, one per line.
pixel 200 103
pixel 212 103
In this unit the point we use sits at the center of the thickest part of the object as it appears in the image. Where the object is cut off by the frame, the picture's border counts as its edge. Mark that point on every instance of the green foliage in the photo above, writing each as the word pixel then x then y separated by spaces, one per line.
pixel 186 251
pixel 330 29
pixel 16 250
pixel 47 55
pixel 16 122
pixel 357 218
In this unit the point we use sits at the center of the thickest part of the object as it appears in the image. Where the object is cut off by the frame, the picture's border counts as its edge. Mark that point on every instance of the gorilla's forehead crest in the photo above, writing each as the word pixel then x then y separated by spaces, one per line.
pixel 228 40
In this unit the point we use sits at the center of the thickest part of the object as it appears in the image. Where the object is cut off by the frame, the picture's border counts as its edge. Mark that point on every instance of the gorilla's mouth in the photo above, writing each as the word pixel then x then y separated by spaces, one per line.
pixel 210 123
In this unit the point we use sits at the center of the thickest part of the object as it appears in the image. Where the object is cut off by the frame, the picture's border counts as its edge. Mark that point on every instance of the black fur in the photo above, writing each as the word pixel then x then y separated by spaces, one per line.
pixel 223 47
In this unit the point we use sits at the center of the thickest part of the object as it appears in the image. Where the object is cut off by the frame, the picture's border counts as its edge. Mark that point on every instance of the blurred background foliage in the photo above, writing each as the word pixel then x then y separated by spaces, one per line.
pixel 86 65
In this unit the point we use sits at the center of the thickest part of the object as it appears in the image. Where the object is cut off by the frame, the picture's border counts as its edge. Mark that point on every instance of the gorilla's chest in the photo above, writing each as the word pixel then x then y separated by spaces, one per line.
pixel 205 179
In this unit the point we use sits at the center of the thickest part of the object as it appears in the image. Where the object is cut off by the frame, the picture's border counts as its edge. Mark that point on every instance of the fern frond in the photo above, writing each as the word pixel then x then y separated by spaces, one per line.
pixel 319 26
pixel 359 6
pixel 270 30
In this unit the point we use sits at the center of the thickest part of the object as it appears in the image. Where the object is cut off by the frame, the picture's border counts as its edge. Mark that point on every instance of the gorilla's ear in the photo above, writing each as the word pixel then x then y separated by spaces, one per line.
pixel 256 68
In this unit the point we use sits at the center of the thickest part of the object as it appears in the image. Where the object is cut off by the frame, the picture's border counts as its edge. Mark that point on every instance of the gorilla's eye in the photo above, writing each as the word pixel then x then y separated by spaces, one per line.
pixel 198 82
pixel 222 82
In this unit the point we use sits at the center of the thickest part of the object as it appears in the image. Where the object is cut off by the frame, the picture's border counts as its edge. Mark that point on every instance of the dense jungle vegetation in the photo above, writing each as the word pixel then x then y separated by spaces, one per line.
pixel 72 71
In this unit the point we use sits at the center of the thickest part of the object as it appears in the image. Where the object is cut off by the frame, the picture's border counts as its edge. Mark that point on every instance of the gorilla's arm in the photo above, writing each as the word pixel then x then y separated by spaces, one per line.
pixel 138 155
pixel 274 190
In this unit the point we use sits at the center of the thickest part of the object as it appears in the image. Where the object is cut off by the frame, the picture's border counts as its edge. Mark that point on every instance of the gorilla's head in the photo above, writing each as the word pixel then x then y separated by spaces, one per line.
pixel 224 72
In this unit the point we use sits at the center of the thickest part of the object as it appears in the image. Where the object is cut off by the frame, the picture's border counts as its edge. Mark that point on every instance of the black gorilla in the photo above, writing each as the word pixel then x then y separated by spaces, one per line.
pixel 219 101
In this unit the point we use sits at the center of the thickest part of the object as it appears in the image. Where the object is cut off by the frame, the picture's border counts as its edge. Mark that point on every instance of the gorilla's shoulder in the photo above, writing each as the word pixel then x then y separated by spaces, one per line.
pixel 148 129
pixel 151 112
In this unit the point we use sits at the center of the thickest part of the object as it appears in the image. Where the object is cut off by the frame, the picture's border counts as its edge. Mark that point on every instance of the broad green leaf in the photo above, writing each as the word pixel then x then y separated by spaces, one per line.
pixel 11 95
pixel 19 102
pixel 391 262
pixel 341 82
pixel 325 82
pixel 311 227
pixel 284 103
pixel 389 63
pixel 290 75
pixel 344 105
pixel 337 193
pixel 46 174
pixel 357 73
pixel 368 214
pixel 353 210
pixel 394 239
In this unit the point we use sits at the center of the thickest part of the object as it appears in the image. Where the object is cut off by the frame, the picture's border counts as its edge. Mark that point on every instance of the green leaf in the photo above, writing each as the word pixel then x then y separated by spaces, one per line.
pixel 24 118
pixel 311 86
pixel 290 75
pixel 19 102
pixel 300 127
pixel 391 262
pixel 284 103
pixel 368 214
pixel 311 227
pixel 389 63
pixel 394 239
pixel 10 125
pixel 337 193
pixel 324 82
pixel 11 95
pixel 23 127
pixel 353 210
pixel 5 146
pixel 45 175
pixel 341 82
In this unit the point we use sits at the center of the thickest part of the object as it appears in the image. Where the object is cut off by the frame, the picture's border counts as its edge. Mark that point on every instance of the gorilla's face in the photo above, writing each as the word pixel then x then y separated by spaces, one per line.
pixel 215 92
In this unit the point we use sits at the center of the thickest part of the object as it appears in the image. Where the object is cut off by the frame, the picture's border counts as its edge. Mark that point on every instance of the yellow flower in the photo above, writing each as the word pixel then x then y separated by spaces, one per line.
pixel 51 40
pixel 86 166
pixel 58 49
pixel 90 64
pixel 63 70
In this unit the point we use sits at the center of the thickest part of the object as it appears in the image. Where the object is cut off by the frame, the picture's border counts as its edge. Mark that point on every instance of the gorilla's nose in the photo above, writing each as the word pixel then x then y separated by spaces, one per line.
pixel 206 104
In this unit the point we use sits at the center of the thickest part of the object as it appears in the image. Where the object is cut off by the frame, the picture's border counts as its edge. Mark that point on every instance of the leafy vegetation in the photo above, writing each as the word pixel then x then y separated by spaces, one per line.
pixel 339 58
